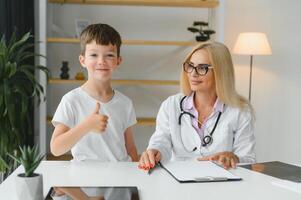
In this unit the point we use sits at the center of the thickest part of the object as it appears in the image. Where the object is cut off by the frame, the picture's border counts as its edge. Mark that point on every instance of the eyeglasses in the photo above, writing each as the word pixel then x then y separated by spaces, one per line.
pixel 201 69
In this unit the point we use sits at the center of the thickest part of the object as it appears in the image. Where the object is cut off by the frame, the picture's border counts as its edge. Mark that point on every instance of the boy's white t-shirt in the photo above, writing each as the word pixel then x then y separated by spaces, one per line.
pixel 109 145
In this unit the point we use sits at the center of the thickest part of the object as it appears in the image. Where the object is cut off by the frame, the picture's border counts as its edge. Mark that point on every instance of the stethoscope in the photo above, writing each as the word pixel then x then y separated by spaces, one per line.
pixel 208 138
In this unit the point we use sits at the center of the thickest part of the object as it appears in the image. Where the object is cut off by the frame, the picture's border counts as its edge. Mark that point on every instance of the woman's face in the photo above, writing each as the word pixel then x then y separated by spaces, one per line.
pixel 201 83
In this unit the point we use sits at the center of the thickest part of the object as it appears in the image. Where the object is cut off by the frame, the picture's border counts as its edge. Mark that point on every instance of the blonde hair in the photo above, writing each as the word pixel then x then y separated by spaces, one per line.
pixel 221 60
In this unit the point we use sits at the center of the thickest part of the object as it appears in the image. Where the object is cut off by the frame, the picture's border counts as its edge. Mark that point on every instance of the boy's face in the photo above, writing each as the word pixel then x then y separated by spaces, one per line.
pixel 100 61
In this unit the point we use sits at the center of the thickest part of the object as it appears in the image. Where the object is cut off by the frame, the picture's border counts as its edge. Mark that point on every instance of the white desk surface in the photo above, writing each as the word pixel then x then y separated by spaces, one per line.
pixel 158 185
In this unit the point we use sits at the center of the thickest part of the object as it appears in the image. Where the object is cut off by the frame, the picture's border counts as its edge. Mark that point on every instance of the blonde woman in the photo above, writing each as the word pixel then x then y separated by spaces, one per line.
pixel 209 120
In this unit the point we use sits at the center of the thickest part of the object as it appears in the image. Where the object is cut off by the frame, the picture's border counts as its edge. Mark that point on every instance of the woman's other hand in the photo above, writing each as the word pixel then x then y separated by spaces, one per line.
pixel 226 159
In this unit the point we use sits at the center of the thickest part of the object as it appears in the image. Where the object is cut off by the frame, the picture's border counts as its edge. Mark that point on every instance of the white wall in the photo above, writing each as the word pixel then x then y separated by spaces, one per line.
pixel 276 91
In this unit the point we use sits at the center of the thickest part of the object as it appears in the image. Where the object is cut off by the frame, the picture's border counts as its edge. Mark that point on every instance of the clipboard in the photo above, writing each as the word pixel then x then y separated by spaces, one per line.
pixel 198 171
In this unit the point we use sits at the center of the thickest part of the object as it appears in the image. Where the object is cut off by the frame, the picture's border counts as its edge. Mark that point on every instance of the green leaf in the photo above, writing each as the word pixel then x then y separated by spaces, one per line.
pixel 24 101
pixel 2 106
pixel 13 69
pixel 9 105
pixel 7 70
pixel 13 39
pixel 15 158
pixel 26 55
pixel 2 64
pixel 20 52
pixel 45 70
pixel 14 45
pixel 2 44
pixel 28 75
pixel 3 165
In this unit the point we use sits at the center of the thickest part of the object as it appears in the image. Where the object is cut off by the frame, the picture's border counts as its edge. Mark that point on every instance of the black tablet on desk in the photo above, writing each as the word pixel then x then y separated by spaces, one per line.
pixel 93 193
pixel 277 169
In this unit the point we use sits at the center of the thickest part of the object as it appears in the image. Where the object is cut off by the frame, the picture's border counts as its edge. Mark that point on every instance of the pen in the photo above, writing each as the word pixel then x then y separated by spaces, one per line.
pixel 152 169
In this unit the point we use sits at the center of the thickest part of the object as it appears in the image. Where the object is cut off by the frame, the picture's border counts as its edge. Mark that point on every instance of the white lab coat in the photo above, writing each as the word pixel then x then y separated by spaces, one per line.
pixel 234 132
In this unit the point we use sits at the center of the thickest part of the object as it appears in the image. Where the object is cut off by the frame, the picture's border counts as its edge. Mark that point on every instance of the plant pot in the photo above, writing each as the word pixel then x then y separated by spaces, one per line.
pixel 29 188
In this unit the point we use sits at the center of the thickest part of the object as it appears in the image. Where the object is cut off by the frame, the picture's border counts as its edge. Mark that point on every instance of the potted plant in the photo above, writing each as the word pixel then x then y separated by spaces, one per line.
pixel 29 185
pixel 18 88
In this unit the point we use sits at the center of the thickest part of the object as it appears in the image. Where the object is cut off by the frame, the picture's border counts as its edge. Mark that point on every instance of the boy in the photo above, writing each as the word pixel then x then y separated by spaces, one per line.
pixel 93 120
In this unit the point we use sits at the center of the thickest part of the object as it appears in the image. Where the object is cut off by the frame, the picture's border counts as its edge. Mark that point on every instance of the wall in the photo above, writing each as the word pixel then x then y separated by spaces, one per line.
pixel 276 91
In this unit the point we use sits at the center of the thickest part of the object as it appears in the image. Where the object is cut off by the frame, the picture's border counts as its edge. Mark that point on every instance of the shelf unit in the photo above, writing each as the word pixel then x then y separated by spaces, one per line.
pixel 167 3
pixel 118 81
pixel 128 42
pixel 142 121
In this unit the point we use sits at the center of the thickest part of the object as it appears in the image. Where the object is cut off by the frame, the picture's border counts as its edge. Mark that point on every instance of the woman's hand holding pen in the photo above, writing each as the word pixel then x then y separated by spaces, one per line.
pixel 226 159
pixel 96 121
pixel 149 158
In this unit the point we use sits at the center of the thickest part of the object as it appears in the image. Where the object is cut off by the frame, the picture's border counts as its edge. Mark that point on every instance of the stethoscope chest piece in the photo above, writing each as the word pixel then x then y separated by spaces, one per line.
pixel 206 140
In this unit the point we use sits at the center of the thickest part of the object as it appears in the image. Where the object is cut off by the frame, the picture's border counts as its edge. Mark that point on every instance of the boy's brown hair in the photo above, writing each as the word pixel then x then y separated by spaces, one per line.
pixel 102 34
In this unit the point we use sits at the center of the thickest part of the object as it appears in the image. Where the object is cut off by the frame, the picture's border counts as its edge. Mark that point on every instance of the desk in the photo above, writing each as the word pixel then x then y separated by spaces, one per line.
pixel 158 185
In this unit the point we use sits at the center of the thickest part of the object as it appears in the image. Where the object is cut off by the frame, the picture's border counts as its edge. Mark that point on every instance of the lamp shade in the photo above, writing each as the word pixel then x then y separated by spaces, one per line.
pixel 252 43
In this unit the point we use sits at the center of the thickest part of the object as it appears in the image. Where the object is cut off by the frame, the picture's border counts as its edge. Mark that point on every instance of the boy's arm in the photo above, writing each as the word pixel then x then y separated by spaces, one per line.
pixel 64 138
pixel 130 144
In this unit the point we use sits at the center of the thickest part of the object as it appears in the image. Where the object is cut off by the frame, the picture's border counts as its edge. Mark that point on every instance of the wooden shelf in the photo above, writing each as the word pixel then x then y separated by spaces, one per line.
pixel 128 42
pixel 169 3
pixel 140 121
pixel 118 81
pixel 146 121
pixel 62 40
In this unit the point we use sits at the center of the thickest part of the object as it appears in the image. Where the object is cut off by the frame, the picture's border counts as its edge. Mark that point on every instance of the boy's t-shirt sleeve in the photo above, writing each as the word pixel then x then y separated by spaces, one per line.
pixel 131 116
pixel 64 114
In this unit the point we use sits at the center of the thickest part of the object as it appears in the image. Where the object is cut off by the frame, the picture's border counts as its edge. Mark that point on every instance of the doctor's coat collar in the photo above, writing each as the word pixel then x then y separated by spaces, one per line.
pixel 188 104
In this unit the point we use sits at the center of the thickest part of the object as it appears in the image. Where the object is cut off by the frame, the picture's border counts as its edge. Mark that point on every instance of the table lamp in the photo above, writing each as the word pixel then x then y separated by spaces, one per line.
pixel 252 43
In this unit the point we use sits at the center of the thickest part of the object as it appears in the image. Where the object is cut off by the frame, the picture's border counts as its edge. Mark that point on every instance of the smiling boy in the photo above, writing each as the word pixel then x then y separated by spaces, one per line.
pixel 95 121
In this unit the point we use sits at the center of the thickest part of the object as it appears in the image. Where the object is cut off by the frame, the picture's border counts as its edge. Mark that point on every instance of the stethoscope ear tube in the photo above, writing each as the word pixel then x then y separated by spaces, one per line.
pixel 180 117
pixel 183 112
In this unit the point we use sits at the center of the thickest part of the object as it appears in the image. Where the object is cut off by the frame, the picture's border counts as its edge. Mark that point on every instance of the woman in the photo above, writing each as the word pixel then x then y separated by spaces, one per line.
pixel 210 120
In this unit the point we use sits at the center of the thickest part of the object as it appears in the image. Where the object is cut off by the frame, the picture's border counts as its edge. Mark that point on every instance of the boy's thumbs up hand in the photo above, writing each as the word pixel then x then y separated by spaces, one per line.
pixel 96 121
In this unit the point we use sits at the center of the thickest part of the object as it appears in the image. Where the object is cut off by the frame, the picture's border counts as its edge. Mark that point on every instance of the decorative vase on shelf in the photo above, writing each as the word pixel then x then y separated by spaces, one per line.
pixel 64 70
pixel 80 76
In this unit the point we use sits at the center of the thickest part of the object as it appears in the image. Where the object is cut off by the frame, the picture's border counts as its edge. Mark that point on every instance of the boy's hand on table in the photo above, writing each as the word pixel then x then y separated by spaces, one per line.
pixel 96 121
